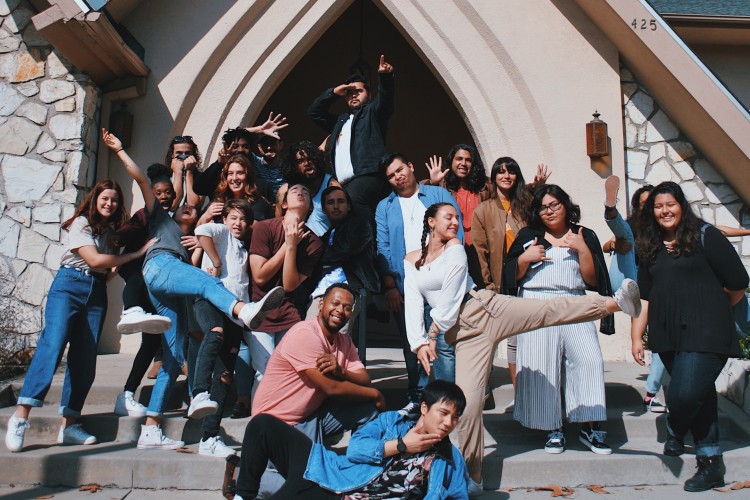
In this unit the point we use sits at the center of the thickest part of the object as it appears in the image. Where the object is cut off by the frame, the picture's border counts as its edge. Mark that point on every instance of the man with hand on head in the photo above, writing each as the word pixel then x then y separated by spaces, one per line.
pixel 357 137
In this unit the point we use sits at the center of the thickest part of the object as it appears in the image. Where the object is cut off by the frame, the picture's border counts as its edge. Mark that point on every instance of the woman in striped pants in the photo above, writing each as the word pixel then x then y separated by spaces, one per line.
pixel 554 257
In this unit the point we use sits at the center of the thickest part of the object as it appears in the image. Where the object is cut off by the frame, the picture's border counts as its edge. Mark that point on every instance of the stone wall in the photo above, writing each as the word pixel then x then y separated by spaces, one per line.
pixel 657 151
pixel 48 140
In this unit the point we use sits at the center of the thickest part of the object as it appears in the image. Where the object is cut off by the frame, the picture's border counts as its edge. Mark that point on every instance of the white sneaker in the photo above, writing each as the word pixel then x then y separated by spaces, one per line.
pixel 476 489
pixel 628 297
pixel 215 447
pixel 153 439
pixel 252 313
pixel 201 406
pixel 135 319
pixel 75 434
pixel 16 431
pixel 127 406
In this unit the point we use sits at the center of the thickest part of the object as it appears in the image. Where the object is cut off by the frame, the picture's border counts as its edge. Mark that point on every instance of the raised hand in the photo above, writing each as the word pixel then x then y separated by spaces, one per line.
pixel 271 126
pixel 384 67
pixel 542 174
pixel 435 168
pixel 111 140
pixel 575 242
pixel 341 89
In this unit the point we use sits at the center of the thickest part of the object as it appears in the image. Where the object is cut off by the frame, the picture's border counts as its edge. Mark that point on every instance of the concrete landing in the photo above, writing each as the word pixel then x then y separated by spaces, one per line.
pixel 514 458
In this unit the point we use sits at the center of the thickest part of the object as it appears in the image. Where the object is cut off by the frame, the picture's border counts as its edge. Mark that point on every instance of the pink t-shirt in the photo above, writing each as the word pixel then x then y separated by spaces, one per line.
pixel 285 391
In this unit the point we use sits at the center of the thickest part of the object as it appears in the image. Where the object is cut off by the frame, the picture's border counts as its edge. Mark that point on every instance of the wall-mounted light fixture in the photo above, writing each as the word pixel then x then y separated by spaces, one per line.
pixel 597 140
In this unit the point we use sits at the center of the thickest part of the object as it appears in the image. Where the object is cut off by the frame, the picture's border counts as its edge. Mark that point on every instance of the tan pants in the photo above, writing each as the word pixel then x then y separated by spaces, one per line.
pixel 485 320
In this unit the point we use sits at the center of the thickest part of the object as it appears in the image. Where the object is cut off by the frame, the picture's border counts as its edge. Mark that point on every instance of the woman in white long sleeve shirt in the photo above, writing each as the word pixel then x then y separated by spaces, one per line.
pixel 438 275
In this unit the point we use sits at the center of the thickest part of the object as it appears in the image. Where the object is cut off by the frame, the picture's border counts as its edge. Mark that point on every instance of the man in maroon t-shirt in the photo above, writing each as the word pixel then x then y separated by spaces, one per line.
pixel 283 252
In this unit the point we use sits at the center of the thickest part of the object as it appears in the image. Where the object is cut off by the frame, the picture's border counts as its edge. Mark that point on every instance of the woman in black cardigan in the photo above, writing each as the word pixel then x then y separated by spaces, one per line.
pixel 554 256
pixel 689 283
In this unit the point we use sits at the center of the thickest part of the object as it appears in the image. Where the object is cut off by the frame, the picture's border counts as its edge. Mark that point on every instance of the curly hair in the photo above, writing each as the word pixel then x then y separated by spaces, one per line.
pixel 288 162
pixel 87 208
pixel 519 195
pixel 650 235
pixel 183 139
pixel 430 213
pixel 476 179
pixel 156 173
pixel 250 191
pixel 572 211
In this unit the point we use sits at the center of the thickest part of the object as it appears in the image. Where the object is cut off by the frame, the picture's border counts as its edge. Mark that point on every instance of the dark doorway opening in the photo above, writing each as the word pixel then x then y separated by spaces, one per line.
pixel 425 121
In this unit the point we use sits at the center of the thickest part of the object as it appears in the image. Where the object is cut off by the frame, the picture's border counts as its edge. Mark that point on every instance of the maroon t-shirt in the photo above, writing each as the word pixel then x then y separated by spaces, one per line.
pixel 268 236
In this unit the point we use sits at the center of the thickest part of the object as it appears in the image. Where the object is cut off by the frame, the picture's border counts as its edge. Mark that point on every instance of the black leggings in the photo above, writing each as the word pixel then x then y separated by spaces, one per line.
pixel 268 438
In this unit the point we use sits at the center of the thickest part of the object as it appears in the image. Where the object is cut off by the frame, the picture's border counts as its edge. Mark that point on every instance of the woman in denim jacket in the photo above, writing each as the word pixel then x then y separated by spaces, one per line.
pixel 390 454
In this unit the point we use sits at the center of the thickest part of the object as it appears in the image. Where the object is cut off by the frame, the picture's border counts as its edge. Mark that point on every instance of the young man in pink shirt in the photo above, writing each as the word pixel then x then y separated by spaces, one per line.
pixel 314 380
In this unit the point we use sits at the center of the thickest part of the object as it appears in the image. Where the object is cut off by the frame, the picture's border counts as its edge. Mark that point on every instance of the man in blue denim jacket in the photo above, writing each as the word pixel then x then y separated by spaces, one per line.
pixel 391 454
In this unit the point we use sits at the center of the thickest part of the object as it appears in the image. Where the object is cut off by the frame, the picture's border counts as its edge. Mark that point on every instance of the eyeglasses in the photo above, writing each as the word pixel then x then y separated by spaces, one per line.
pixel 179 139
pixel 552 207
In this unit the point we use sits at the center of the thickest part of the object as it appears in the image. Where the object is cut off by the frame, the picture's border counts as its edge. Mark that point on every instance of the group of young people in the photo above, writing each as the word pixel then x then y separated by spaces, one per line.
pixel 270 243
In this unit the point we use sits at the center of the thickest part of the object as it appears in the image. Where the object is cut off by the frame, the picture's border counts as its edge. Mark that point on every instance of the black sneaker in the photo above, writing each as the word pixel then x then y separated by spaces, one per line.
pixel 594 439
pixel 240 411
pixel 556 442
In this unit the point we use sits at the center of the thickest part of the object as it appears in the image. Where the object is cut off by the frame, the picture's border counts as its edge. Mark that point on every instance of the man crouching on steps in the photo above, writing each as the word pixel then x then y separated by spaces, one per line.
pixel 391 453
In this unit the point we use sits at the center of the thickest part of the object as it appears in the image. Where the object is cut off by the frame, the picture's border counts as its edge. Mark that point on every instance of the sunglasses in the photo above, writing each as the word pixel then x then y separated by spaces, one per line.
pixel 179 139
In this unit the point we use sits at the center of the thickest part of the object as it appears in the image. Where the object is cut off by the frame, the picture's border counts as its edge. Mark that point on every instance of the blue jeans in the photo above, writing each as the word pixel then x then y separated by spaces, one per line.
pixel 76 307
pixel 691 398
pixel 655 374
pixel 171 283
pixel 243 371
pixel 622 266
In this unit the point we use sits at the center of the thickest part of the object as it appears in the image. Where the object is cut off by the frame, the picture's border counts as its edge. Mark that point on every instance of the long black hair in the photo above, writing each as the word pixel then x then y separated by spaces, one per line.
pixel 288 163
pixel 519 195
pixel 573 211
pixel 475 180
pixel 431 212
pixel 650 235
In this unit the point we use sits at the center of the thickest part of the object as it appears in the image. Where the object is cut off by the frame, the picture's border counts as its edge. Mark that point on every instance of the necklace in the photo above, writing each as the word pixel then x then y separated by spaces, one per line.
pixel 429 261
pixel 671 246
pixel 414 200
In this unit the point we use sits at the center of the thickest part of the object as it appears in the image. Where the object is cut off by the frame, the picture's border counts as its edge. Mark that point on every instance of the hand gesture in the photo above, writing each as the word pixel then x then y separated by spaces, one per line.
pixel 393 300
pixel 142 251
pixel 271 126
pixel 294 232
pixel 638 352
pixel 224 155
pixel 214 270
pixel 327 363
pixel 190 242
pixel 384 67
pixel 341 89
pixel 534 253
pixel 435 168
pixel 111 140
pixel 542 174
pixel 190 162
pixel 380 402
pixel 213 210
pixel 575 242
pixel 427 354
pixel 417 442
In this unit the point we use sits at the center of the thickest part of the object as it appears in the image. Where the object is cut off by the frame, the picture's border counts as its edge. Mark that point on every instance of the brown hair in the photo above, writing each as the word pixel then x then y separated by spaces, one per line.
pixel 251 193
pixel 87 208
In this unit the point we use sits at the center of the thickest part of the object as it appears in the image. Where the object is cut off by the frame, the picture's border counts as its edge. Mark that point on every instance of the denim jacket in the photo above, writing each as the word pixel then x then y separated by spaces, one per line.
pixel 390 230
pixel 364 461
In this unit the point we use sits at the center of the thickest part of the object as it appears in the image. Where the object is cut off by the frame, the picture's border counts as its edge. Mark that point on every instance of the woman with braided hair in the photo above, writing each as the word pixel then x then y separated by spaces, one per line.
pixel 474 322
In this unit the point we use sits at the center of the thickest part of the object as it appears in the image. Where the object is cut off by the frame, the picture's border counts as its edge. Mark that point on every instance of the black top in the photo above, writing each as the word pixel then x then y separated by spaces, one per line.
pixel 603 285
pixel 688 310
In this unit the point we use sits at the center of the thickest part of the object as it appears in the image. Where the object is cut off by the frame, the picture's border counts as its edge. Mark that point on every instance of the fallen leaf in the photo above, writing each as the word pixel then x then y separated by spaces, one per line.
pixel 598 488
pixel 721 490
pixel 91 488
pixel 12 485
pixel 46 496
pixel 185 450
pixel 557 491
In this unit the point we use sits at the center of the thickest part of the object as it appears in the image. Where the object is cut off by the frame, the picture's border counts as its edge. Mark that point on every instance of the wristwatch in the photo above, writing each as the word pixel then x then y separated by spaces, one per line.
pixel 400 445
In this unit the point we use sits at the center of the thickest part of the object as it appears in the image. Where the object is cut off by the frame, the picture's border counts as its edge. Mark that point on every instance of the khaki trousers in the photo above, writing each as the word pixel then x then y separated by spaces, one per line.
pixel 486 319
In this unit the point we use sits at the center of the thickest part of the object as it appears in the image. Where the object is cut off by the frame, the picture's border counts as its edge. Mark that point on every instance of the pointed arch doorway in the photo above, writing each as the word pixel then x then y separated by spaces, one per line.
pixel 425 121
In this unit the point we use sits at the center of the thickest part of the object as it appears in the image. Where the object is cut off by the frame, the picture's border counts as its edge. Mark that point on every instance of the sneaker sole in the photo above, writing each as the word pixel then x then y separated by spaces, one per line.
pixel 209 454
pixel 632 290
pixel 76 443
pixel 270 301
pixel 202 412
pixel 175 446
pixel 13 449
pixel 611 187
pixel 717 484
pixel 127 413
pixel 553 451
pixel 152 326
pixel 593 448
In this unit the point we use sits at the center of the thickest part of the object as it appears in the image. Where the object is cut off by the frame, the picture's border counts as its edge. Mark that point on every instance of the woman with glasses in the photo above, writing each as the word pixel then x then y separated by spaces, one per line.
pixel 555 257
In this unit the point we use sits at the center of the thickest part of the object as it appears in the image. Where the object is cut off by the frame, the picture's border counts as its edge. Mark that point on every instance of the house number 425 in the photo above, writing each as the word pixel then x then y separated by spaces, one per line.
pixel 644 24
